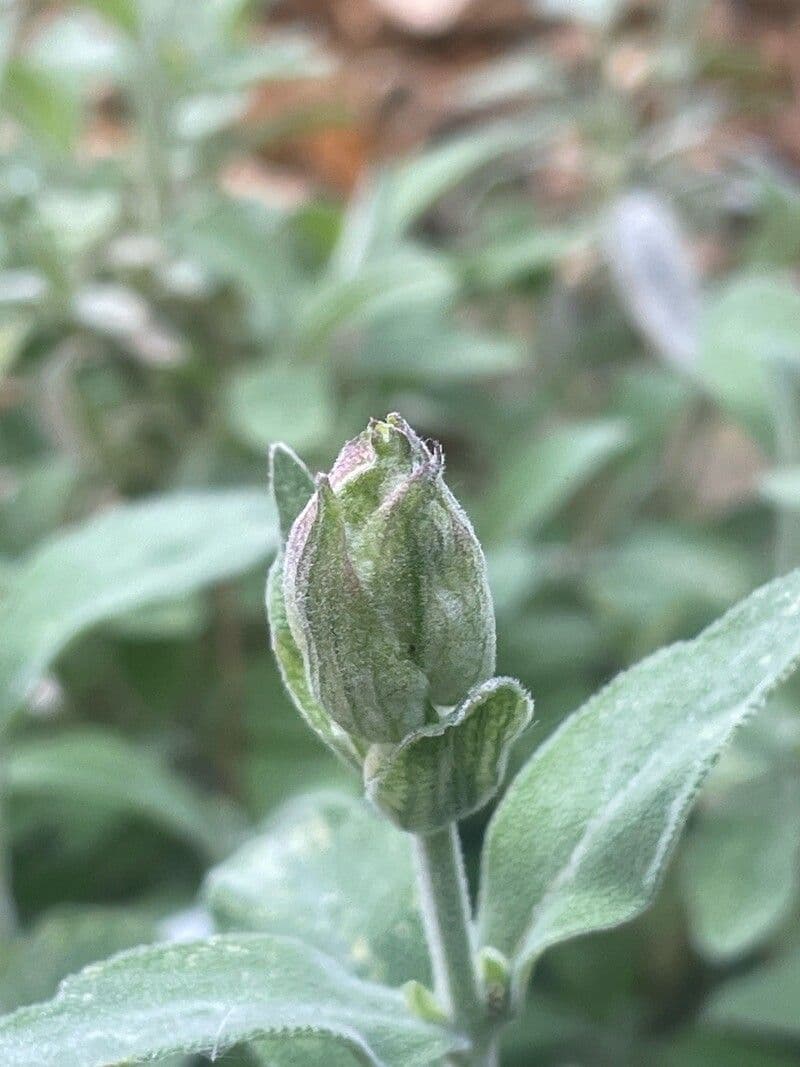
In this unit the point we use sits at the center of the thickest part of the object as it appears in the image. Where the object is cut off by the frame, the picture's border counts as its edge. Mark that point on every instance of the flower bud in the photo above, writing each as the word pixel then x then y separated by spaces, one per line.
pixel 385 588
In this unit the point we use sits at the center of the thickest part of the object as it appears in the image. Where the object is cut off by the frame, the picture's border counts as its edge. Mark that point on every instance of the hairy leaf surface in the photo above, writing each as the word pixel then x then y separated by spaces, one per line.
pixel 581 839
pixel 206 996
pixel 328 871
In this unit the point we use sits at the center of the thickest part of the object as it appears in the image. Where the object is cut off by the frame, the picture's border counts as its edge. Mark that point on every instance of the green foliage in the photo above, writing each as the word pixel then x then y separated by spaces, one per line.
pixel 109 774
pixel 592 302
pixel 559 864
pixel 445 771
pixel 334 848
pixel 154 1002
pixel 126 558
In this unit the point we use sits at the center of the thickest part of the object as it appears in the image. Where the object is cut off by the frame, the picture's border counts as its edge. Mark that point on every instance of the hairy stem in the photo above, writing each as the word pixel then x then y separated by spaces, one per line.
pixel 446 914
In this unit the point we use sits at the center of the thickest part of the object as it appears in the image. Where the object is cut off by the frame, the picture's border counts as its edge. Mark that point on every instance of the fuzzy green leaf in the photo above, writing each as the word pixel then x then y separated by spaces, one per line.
pixel 291 483
pixel 445 771
pixel 206 996
pixel 327 871
pixel 583 835
pixel 131 556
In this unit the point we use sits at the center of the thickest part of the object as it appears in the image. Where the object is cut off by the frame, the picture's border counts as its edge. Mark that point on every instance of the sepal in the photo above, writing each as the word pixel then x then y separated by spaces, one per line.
pixel 445 771
pixel 292 669
pixel 292 485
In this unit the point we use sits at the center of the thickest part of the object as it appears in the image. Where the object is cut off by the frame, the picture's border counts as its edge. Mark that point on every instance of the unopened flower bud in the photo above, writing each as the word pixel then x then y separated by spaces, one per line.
pixel 385 588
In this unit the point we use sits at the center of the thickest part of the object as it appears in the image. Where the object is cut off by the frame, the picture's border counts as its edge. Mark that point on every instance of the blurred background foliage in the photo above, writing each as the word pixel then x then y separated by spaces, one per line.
pixel 563 238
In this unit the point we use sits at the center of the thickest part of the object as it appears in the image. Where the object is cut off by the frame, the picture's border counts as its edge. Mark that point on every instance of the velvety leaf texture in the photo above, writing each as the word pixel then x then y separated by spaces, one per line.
pixel 133 555
pixel 204 997
pixel 328 871
pixel 582 837
pixel 444 772
pixel 291 483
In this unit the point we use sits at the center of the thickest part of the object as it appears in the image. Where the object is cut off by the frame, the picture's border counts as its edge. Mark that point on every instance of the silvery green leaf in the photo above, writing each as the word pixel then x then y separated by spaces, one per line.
pixel 561 862
pixel 741 866
pixel 127 557
pixel 282 57
pixel 428 349
pixel 126 15
pixel 22 287
pixel 656 281
pixel 77 220
pixel 302 1051
pixel 183 618
pixel 206 996
pixel 763 1001
pixel 291 484
pixel 115 310
pixel 518 74
pixel 444 772
pixel 325 869
pixel 530 252
pixel 35 499
pixel 109 773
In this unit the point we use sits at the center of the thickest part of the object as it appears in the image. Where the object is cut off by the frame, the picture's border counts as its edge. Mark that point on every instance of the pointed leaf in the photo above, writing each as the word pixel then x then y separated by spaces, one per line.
pixel 133 555
pixel 292 485
pixel 582 837
pixel 445 771
pixel 420 182
pixel 327 871
pixel 204 997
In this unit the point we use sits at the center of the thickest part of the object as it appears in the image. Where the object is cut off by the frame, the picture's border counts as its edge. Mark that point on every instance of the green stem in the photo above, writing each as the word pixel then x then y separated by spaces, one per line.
pixel 446 914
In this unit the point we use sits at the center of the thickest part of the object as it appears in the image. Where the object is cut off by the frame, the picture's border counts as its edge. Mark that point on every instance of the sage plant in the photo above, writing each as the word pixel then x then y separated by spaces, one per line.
pixel 381 621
